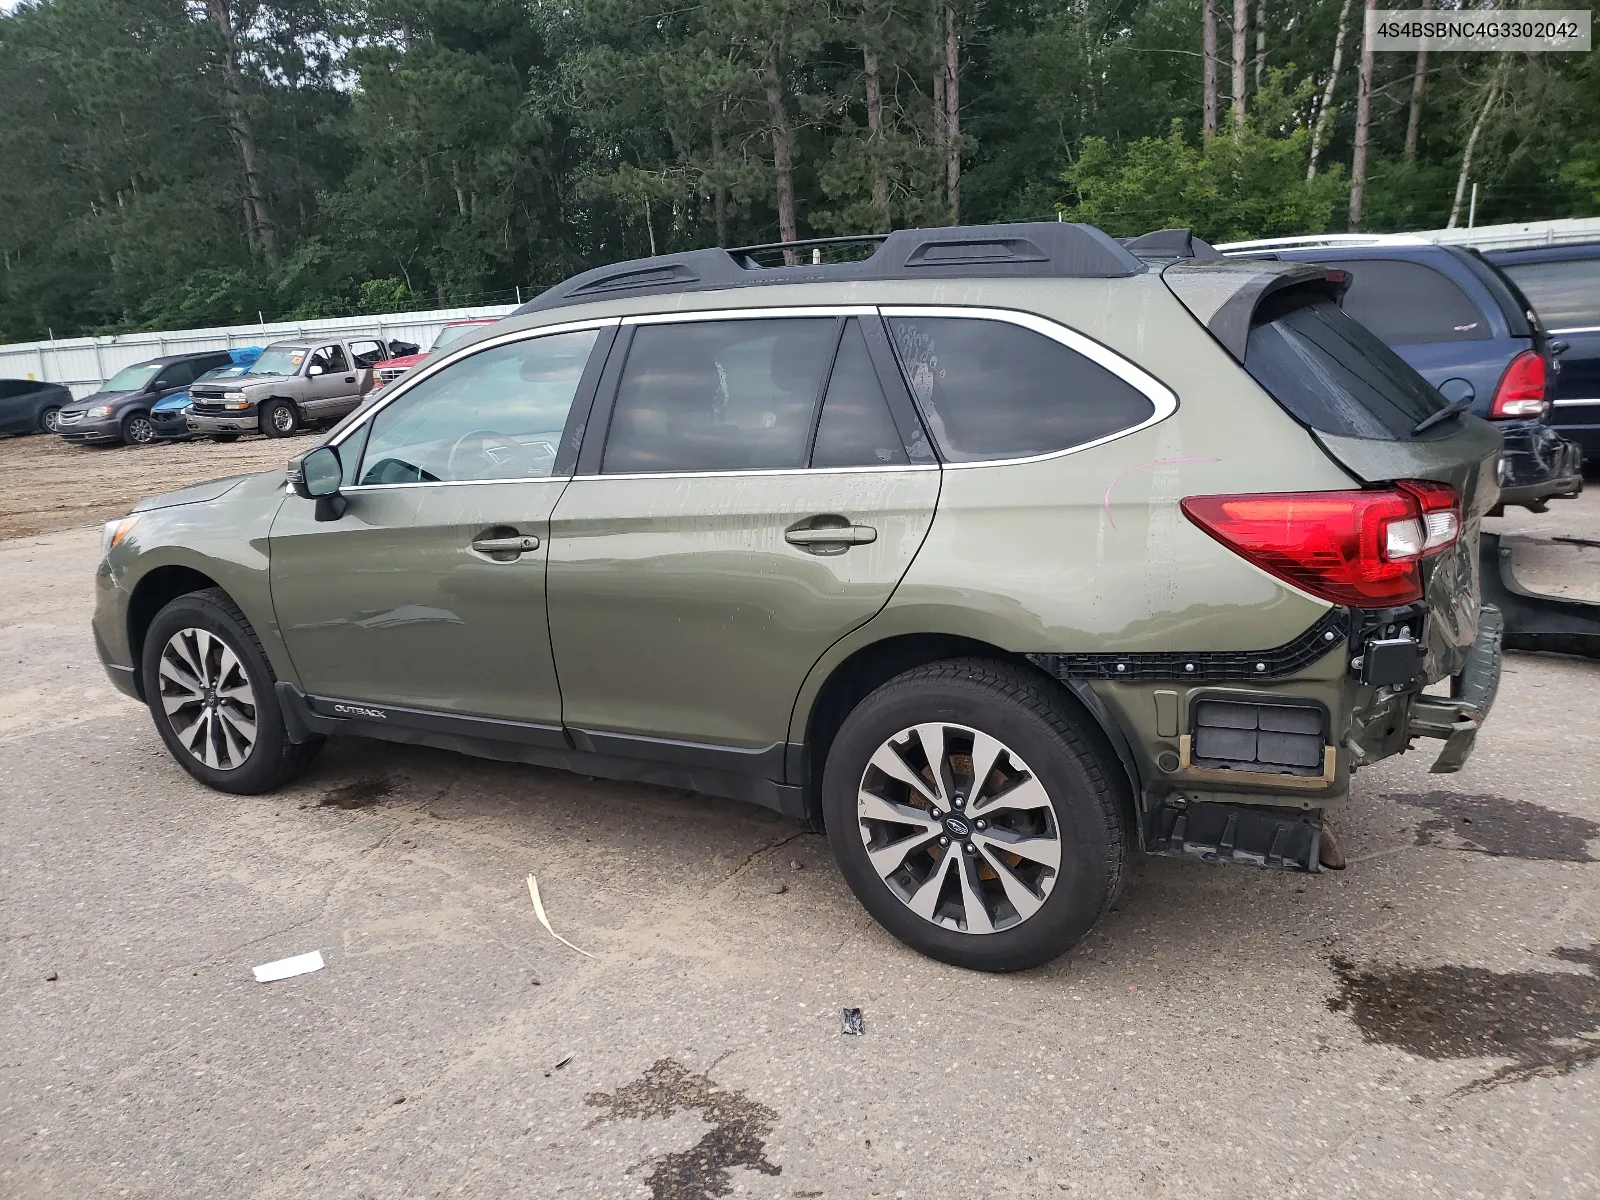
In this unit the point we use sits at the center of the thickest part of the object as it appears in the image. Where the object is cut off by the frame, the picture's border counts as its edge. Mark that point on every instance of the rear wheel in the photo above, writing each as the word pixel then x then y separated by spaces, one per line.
pixel 211 692
pixel 137 430
pixel 280 419
pixel 49 420
pixel 973 817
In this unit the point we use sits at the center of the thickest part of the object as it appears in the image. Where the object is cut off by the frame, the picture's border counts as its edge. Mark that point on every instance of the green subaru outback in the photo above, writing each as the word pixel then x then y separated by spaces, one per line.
pixel 996 554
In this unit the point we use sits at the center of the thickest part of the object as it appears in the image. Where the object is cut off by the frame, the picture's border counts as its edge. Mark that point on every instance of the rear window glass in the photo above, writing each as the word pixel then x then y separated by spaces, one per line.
pixel 994 390
pixel 1406 302
pixel 1334 374
pixel 1566 295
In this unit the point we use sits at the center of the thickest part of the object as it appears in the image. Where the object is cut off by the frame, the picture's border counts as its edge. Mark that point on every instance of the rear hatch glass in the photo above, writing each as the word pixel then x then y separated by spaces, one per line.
pixel 1333 374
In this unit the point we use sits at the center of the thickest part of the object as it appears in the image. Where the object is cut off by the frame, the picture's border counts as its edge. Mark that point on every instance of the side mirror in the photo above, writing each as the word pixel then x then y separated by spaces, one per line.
pixel 318 475
pixel 313 369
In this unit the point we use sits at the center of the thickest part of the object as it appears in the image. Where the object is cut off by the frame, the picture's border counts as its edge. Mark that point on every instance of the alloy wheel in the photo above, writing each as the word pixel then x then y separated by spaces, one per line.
pixel 283 419
pixel 50 419
pixel 208 698
pixel 959 828
pixel 140 431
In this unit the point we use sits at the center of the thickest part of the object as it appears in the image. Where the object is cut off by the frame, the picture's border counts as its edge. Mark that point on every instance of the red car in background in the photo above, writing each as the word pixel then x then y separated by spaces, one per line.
pixel 390 369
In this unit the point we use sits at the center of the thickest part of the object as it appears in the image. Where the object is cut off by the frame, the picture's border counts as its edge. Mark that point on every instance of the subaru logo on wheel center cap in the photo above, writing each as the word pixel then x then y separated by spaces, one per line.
pixel 957 826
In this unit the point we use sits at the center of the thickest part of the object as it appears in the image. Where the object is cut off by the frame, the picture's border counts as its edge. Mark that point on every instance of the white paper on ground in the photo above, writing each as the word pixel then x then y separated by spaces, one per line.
pixel 287 968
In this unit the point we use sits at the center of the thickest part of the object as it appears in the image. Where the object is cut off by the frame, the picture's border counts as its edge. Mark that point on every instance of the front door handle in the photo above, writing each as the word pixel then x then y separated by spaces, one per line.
pixel 506 545
pixel 349 378
pixel 832 535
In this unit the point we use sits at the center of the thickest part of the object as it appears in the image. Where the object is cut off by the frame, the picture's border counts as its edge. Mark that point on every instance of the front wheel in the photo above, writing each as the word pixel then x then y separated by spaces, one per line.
pixel 210 690
pixel 225 439
pixel 49 420
pixel 973 817
pixel 137 429
pixel 280 419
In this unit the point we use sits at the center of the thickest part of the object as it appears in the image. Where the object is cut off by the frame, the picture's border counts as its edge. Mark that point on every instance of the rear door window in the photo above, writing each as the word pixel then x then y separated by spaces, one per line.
pixel 719 395
pixel 1566 295
pixel 1405 303
pixel 991 389
pixel 1333 373
pixel 855 429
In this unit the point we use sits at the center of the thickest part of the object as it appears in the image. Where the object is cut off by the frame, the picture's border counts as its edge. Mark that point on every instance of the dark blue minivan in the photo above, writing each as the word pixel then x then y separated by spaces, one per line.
pixel 1563 282
pixel 1467 328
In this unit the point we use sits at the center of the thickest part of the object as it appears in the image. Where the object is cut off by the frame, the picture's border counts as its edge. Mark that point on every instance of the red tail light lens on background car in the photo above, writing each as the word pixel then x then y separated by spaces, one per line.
pixel 1361 548
pixel 1521 390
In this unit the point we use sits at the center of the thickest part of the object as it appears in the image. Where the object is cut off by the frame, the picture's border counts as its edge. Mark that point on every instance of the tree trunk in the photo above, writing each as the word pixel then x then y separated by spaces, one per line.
pixel 1326 109
pixel 1358 164
pixel 1419 83
pixel 1495 85
pixel 719 193
pixel 952 113
pixel 880 183
pixel 1241 36
pixel 242 131
pixel 1261 43
pixel 941 140
pixel 782 158
pixel 1208 39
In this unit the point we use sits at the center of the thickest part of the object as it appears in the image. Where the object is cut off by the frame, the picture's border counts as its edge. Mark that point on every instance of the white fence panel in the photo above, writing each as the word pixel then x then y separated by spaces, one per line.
pixel 83 364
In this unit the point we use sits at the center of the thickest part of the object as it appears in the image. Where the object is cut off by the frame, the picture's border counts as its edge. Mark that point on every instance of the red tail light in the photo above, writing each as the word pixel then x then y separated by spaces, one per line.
pixel 1521 390
pixel 1361 548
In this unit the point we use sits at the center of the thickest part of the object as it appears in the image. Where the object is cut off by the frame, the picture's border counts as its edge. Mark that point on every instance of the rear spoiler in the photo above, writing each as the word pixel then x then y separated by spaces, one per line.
pixel 1224 293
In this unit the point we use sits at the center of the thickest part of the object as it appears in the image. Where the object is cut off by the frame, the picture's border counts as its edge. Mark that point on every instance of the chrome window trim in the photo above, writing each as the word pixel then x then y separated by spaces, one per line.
pixel 750 314
pixel 1577 329
pixel 433 483
pixel 891 467
pixel 1162 398
pixel 428 369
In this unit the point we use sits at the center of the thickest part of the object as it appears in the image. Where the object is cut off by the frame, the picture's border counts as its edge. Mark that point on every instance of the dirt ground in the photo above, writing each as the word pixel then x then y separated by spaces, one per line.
pixel 47 484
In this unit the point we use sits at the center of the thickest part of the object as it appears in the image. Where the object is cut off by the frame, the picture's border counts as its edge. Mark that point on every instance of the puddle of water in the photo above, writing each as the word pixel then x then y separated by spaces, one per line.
pixel 737 1138
pixel 359 794
pixel 1498 826
pixel 1547 1023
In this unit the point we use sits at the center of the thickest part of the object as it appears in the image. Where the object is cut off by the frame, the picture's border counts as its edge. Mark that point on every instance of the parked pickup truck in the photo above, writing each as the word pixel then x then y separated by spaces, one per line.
pixel 292 385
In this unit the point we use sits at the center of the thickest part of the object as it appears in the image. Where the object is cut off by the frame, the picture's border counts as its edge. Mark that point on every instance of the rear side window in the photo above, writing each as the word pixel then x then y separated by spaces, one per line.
pixel 855 429
pixel 1406 302
pixel 1566 295
pixel 1333 373
pixel 719 395
pixel 994 390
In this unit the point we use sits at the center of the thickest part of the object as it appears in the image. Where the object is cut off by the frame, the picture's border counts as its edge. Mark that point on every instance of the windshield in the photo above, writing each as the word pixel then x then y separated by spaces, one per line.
pixel 451 334
pixel 279 360
pixel 131 379
pixel 1333 373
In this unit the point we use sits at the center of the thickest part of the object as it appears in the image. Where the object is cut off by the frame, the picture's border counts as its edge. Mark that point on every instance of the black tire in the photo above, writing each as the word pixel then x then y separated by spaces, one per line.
pixel 273 759
pixel 224 439
pixel 47 419
pixel 137 429
pixel 280 418
pixel 1085 788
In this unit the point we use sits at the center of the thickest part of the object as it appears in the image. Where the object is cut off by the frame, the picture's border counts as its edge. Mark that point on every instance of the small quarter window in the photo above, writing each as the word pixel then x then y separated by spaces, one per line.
pixel 719 395
pixel 856 429
pixel 498 414
pixel 993 390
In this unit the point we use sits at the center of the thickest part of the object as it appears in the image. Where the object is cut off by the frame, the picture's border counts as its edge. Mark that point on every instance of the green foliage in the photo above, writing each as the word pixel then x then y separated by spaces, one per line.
pixel 417 152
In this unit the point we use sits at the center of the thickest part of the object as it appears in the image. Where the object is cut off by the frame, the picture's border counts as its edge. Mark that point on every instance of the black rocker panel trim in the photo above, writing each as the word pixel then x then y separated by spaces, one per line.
pixel 1332 630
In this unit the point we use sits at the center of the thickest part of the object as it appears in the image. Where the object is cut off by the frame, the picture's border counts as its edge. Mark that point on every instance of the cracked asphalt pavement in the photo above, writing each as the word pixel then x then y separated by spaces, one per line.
pixel 1424 1023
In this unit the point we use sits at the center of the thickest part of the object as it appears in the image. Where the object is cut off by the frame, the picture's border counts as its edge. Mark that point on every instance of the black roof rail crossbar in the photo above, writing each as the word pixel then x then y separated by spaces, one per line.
pixel 854 239
pixel 1039 249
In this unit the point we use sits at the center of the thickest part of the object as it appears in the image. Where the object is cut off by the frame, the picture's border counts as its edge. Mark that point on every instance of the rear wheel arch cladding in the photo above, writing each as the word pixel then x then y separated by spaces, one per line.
pixel 874 665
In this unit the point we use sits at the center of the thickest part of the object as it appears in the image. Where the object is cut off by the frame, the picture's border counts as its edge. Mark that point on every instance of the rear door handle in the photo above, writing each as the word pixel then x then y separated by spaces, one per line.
pixel 832 535
pixel 506 545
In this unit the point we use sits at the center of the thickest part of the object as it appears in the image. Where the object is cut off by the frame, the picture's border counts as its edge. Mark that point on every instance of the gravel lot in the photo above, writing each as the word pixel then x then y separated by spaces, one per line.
pixel 1425 1023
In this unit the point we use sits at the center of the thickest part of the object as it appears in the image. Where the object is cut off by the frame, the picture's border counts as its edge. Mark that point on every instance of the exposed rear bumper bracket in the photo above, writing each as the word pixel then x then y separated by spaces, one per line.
pixel 1282 839
pixel 1456 720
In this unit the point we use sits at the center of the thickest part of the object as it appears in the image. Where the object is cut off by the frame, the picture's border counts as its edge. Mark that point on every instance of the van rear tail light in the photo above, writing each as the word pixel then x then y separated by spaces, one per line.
pixel 1360 548
pixel 1521 390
